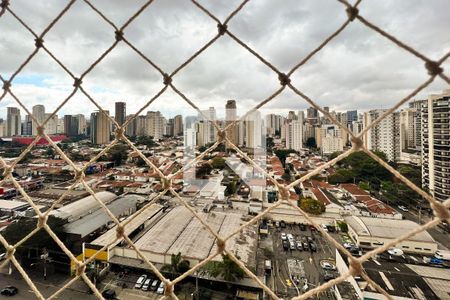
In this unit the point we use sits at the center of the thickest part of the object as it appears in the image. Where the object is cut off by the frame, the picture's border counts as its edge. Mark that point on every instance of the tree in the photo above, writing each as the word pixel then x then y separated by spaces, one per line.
pixel 412 173
pixel 342 176
pixel 269 143
pixel 231 188
pixel 203 170
pixel 177 265
pixel 146 141
pixel 312 206
pixel 283 153
pixel 227 269
pixel 311 143
pixel 118 153
pixel 218 163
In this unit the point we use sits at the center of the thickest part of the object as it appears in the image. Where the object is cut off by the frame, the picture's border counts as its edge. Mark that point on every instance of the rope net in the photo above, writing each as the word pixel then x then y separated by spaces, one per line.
pixel 433 68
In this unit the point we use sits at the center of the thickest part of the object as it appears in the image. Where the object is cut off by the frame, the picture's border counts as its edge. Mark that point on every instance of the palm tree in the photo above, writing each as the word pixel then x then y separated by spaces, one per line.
pixel 177 265
pixel 227 269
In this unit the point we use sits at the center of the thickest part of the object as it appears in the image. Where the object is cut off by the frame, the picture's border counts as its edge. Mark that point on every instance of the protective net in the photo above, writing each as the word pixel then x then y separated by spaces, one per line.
pixel 433 68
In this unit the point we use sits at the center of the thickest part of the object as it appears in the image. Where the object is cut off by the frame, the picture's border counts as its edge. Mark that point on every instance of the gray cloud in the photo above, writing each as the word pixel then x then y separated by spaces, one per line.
pixel 357 70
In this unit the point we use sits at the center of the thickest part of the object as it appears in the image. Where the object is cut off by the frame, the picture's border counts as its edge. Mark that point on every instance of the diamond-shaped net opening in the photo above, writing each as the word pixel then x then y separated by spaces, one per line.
pixel 168 82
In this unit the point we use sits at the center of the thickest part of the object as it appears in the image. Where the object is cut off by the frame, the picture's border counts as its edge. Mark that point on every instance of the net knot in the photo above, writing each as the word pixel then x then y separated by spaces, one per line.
pixel 7 170
pixel 440 210
pixel 10 250
pixel 80 269
pixel 356 267
pixel 38 42
pixel 352 12
pixel 433 68
pixel 40 130
pixel 222 28
pixel 77 82
pixel 284 193
pixel 168 288
pixel 120 231
pixel 4 4
pixel 118 35
pixel 119 133
pixel 357 143
pixel 284 79
pixel 166 183
pixel 221 134
pixel 167 79
pixel 6 85
pixel 42 221
pixel 79 174
pixel 220 245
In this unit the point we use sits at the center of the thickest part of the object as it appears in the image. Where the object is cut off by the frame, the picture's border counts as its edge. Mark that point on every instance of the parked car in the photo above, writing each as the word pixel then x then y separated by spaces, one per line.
pixel 309 239
pixel 313 247
pixel 282 224
pixel 140 281
pixel 348 245
pixel 327 266
pixel 146 284
pixel 292 245
pixel 403 208
pixel 9 291
pixel 283 236
pixel 305 246
pixel 302 227
pixel 329 276
pixel 285 245
pixel 331 228
pixel 154 285
pixel 290 237
pixel 277 224
pixel 299 246
pixel 109 294
pixel 324 227
pixel 160 289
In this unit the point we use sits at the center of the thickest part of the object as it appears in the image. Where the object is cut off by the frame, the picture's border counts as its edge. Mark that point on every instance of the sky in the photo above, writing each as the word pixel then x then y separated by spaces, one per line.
pixel 359 69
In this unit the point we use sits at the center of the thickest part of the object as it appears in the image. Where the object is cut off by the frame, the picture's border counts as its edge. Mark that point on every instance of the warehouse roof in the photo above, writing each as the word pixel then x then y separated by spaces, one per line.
pixel 78 208
pixel 98 218
pixel 11 204
pixel 386 228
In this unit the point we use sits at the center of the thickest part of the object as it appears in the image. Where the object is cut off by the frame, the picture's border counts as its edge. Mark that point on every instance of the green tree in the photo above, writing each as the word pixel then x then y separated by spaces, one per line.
pixel 227 269
pixel 342 176
pixel 412 173
pixel 177 265
pixel 146 140
pixel 283 153
pixel 312 206
pixel 311 143
pixel 218 163
pixel 231 188
pixel 118 153
pixel 269 143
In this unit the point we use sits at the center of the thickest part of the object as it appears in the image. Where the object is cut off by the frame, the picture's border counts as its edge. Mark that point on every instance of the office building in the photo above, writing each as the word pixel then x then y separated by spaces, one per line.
pixel 120 112
pixel 178 125
pixel 100 128
pixel 330 139
pixel 155 125
pixel 294 135
pixel 230 116
pixel 38 112
pixel 13 121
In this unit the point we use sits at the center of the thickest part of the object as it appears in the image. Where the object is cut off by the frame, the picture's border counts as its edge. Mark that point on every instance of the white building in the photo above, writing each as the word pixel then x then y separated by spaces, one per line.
pixel 436 145
pixel 254 130
pixel 294 135
pixel 330 139
pixel 385 135
pixel 13 121
pixel 51 127
pixel 39 116
pixel 155 124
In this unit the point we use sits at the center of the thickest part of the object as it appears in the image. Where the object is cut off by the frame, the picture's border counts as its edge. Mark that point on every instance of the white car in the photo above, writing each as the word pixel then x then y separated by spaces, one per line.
pixel 146 284
pixel 348 245
pixel 327 266
pixel 403 208
pixel 283 236
pixel 324 227
pixel 160 289
pixel 290 237
pixel 140 281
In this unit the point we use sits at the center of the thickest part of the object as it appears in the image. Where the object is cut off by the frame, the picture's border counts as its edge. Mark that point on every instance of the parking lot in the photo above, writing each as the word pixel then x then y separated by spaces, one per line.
pixel 296 270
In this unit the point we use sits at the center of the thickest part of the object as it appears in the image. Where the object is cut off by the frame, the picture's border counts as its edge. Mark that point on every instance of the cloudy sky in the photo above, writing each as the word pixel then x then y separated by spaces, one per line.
pixel 358 70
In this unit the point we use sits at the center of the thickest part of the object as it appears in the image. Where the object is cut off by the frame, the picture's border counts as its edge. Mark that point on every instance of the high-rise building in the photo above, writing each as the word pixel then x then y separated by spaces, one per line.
pixel 385 136
pixel 330 139
pixel 294 135
pixel 100 128
pixel 208 117
pixel 131 129
pixel 141 126
pixel 13 121
pixel 436 145
pixel 408 129
pixel 120 112
pixel 230 116
pixel 312 115
pixel 155 124
pixel 273 124
pixel 51 127
pixel 71 125
pixel 178 125
pixel 253 130
pixel 27 126
pixel 352 115
pixel 2 128
pixel 39 115
pixel 292 115
pixel 169 128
